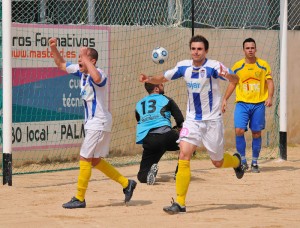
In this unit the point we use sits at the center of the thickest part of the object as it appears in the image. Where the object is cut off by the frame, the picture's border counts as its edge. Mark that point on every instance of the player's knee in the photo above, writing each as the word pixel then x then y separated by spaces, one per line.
pixel 95 161
pixel 256 134
pixel 217 164
pixel 239 132
pixel 186 155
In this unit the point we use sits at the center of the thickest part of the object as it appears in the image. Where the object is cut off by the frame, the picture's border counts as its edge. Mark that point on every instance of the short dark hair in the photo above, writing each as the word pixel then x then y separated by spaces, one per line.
pixel 150 87
pixel 199 38
pixel 249 40
pixel 93 53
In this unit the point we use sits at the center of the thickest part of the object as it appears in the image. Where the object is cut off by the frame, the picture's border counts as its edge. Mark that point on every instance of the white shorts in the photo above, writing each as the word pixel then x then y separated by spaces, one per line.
pixel 95 144
pixel 209 133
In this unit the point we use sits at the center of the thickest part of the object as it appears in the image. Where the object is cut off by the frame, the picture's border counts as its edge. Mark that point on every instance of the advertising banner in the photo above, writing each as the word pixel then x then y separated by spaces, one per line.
pixel 47 109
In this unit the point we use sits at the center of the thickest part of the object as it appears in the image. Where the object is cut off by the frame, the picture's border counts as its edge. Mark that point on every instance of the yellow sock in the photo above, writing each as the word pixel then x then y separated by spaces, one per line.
pixel 112 173
pixel 85 171
pixel 230 161
pixel 183 178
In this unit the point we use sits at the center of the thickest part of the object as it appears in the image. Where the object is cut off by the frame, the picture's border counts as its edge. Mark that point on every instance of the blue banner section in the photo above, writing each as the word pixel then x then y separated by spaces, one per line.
pixel 48 100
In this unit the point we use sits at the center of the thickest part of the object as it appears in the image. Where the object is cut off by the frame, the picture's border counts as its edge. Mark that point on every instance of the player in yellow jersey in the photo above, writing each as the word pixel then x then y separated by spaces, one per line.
pixel 254 92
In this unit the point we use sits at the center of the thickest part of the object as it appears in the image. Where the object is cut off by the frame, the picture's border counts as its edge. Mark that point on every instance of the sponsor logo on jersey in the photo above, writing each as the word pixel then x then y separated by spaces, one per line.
pixel 202 73
pixel 193 85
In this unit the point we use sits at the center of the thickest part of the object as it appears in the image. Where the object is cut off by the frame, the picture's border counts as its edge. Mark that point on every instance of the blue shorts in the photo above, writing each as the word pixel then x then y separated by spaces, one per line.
pixel 254 114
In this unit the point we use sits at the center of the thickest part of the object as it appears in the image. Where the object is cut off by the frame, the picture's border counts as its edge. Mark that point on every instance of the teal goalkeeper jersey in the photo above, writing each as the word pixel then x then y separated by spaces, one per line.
pixel 155 111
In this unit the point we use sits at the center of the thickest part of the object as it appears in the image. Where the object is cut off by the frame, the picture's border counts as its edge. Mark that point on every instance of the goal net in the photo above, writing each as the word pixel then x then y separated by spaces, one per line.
pixel 47 109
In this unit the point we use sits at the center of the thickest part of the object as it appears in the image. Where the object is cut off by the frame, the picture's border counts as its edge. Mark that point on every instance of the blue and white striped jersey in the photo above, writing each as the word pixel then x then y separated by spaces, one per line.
pixel 95 99
pixel 203 89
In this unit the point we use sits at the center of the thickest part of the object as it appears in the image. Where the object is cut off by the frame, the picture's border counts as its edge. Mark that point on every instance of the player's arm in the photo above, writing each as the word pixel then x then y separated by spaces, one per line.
pixel 169 75
pixel 95 74
pixel 58 59
pixel 228 74
pixel 232 77
pixel 270 84
pixel 228 93
pixel 176 113
pixel 158 79
pixel 137 116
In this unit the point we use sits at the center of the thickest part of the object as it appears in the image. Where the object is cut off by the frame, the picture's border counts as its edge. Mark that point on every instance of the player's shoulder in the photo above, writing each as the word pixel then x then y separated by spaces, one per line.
pixel 262 62
pixel 239 63
pixel 212 63
pixel 166 97
pixel 186 63
pixel 151 96
pixel 145 98
pixel 101 71
pixel 158 97
pixel 73 68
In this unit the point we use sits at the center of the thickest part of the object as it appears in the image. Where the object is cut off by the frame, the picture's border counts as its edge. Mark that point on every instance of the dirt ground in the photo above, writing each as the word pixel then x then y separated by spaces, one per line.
pixel 216 198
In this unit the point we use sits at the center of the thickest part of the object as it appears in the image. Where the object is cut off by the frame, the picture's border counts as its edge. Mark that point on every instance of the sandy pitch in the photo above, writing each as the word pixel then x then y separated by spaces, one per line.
pixel 216 198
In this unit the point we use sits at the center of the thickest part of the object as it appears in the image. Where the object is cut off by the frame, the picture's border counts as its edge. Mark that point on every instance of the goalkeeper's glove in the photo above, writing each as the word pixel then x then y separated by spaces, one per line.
pixel 176 128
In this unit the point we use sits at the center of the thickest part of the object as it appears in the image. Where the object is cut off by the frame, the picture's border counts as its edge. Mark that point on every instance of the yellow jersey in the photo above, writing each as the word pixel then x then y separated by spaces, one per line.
pixel 252 86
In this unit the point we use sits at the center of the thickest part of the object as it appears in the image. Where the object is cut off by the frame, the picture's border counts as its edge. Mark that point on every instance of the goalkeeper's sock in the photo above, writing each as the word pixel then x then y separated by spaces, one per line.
pixel 230 161
pixel 85 171
pixel 256 147
pixel 240 143
pixel 183 179
pixel 112 173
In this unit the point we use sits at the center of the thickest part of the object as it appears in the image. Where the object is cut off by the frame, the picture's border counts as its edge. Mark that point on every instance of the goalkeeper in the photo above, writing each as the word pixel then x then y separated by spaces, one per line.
pixel 154 131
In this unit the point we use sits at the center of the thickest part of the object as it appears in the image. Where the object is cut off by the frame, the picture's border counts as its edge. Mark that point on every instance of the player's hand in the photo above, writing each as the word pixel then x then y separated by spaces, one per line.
pixel 224 105
pixel 143 78
pixel 223 72
pixel 52 42
pixel 268 102
pixel 176 128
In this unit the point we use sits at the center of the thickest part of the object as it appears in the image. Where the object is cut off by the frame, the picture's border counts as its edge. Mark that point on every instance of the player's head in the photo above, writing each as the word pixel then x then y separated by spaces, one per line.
pixel 93 54
pixel 93 57
pixel 201 39
pixel 249 40
pixel 198 48
pixel 154 88
pixel 249 48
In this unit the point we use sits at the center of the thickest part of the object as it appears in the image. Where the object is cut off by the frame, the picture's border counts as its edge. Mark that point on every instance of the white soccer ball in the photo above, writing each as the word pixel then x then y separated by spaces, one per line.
pixel 159 55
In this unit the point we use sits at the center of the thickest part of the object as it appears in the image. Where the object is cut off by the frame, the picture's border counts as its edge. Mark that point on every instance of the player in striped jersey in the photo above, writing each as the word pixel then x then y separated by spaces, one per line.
pixel 204 123
pixel 98 123
pixel 254 93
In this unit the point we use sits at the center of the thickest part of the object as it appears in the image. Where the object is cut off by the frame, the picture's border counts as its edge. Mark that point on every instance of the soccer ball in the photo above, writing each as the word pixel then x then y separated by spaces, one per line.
pixel 159 55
